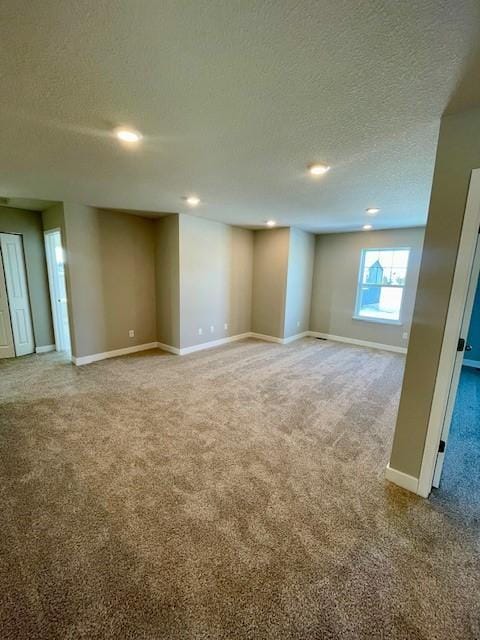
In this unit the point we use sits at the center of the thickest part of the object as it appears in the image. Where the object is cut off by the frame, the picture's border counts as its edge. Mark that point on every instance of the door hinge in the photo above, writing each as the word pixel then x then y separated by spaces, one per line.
pixel 461 344
pixel 441 446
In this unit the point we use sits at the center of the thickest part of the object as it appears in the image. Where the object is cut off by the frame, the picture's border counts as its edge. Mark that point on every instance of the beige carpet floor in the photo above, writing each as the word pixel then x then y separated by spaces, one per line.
pixel 234 493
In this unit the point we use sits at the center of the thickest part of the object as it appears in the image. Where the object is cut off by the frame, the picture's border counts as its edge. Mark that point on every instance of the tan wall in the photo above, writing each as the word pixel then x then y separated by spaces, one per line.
pixel 270 267
pixel 215 280
pixel 458 153
pixel 337 261
pixel 167 271
pixel 299 282
pixel 29 224
pixel 111 263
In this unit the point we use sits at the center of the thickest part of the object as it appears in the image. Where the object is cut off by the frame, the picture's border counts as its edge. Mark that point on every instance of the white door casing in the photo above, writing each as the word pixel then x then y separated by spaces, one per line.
pixel 17 290
pixel 58 291
pixel 7 349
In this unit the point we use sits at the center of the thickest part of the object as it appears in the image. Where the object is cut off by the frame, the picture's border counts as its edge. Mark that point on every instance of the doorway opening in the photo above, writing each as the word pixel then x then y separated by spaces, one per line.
pixel 455 413
pixel 55 256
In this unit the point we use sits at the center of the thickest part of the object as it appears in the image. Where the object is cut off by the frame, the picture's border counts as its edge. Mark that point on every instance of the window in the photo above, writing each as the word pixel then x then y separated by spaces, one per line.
pixel 381 281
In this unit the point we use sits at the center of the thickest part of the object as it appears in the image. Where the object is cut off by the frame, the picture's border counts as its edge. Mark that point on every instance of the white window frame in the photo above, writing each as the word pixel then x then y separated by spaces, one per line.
pixel 356 315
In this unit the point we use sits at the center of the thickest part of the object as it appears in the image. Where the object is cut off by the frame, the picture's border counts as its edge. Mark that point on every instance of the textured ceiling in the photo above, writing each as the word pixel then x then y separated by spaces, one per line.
pixel 234 99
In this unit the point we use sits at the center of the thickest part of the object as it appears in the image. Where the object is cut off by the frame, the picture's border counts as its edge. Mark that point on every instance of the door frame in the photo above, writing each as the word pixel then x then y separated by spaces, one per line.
pixel 49 257
pixel 452 333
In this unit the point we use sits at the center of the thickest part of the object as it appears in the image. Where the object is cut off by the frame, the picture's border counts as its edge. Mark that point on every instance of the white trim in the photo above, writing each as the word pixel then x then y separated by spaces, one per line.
pixel 378 320
pixel 213 343
pixel 45 349
pixel 471 363
pixel 448 354
pixel 359 343
pixel 79 361
pixel 297 336
pixel 264 337
pixel 410 483
pixel 169 348
pixel 221 341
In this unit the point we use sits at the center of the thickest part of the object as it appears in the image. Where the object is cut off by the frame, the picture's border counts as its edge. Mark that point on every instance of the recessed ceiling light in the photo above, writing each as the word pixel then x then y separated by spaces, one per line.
pixel 367 227
pixel 318 169
pixel 372 210
pixel 193 201
pixel 128 135
pixel 270 223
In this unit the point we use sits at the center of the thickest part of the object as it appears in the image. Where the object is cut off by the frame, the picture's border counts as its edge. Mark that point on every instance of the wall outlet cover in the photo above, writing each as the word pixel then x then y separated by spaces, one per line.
pixel 225 326
pixel 212 328
pixel 405 336
pixel 200 331
pixel 131 333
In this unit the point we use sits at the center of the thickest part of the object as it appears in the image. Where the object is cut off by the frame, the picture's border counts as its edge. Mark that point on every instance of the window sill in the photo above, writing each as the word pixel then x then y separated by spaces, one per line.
pixel 397 323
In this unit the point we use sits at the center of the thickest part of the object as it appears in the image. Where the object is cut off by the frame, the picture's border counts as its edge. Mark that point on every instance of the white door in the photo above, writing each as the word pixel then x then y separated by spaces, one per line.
pixel 462 348
pixel 58 290
pixel 7 350
pixel 17 290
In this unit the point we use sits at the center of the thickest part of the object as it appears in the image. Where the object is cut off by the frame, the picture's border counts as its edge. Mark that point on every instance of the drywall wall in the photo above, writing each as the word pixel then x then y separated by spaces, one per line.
pixel 29 225
pixel 215 280
pixel 474 330
pixel 299 282
pixel 458 153
pixel 270 269
pixel 337 261
pixel 111 263
pixel 167 279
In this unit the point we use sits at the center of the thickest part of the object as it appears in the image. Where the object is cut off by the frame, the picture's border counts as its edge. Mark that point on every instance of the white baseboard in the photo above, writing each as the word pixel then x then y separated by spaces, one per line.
pixel 95 357
pixel 45 349
pixel 358 343
pixel 410 483
pixel 471 363
pixel 264 337
pixel 79 361
pixel 297 336
pixel 169 348
pixel 213 343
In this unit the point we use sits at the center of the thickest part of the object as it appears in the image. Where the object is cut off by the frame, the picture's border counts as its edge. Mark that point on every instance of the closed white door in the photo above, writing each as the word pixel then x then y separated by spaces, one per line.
pixel 58 290
pixel 7 350
pixel 17 290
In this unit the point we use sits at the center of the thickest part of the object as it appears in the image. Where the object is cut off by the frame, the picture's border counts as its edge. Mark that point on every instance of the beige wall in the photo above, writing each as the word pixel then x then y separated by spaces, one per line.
pixel 458 153
pixel 270 268
pixel 337 260
pixel 215 280
pixel 299 282
pixel 111 264
pixel 29 224
pixel 167 272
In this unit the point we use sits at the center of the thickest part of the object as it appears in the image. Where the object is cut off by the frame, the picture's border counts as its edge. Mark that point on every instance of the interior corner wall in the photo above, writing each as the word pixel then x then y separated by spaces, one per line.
pixel 458 153
pixel 167 280
pixel 337 261
pixel 270 268
pixel 216 263
pixel 299 282
pixel 111 266
pixel 29 225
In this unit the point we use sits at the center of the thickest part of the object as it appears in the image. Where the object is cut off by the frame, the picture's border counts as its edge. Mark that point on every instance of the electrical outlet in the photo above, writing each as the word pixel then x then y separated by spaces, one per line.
pixel 131 333
pixel 298 323
pixel 225 326
pixel 200 331
pixel 212 328
pixel 405 336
